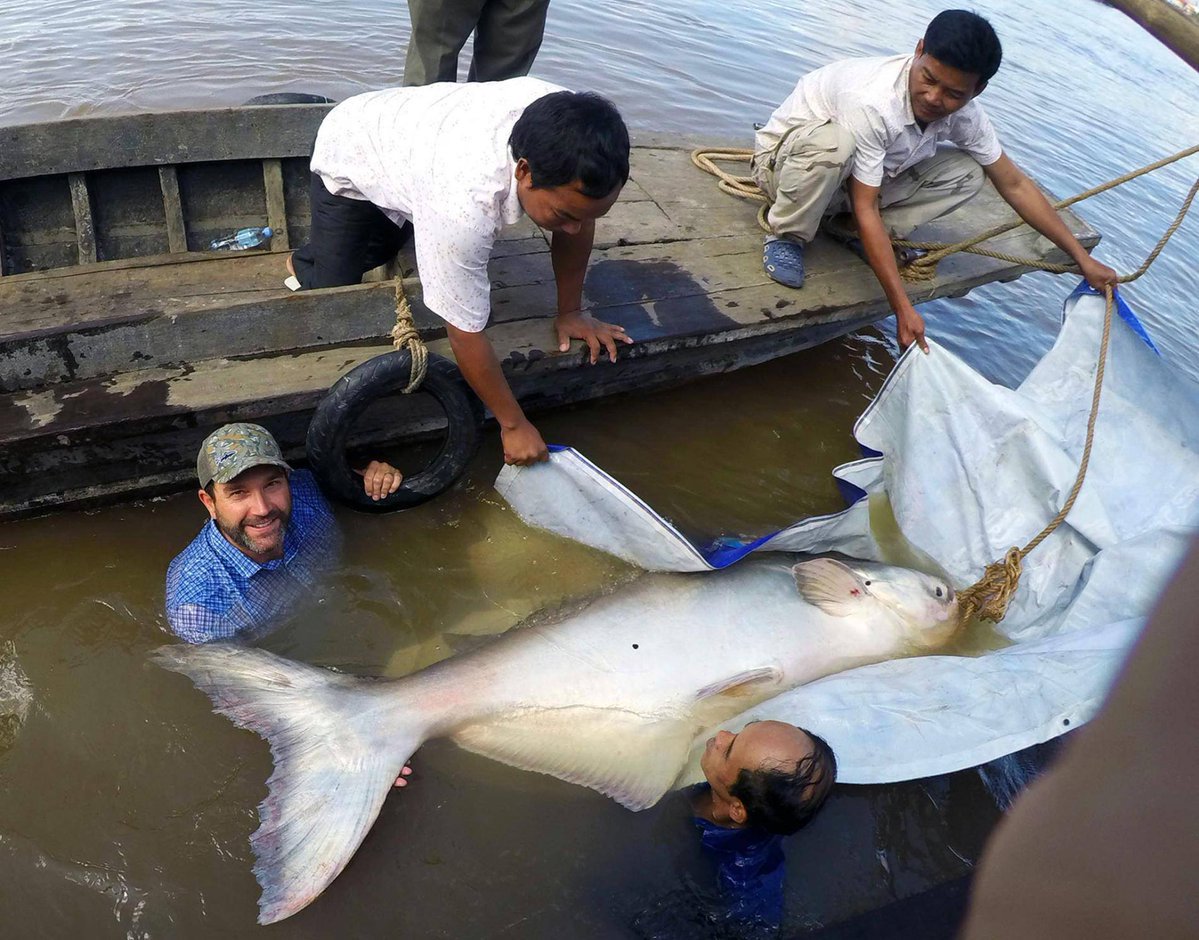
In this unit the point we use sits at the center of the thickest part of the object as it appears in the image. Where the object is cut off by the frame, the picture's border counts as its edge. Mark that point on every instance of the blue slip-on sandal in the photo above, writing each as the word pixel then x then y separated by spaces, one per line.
pixel 782 261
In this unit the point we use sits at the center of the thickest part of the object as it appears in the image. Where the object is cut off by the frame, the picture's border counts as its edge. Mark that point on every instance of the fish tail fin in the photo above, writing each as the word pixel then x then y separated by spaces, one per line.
pixel 338 744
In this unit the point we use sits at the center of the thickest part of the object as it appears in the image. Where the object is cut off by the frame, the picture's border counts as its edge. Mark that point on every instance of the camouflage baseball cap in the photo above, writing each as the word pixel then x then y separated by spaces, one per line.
pixel 235 448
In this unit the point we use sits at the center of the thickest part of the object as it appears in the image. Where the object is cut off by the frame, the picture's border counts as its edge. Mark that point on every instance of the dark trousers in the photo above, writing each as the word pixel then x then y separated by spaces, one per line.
pixel 507 36
pixel 348 238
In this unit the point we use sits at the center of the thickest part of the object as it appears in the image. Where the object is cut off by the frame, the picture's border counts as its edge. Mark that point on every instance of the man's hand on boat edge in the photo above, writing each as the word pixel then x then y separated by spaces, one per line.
pixel 595 333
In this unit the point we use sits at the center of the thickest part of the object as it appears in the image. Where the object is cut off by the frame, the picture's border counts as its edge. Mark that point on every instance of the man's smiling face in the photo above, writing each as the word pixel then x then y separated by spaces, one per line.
pixel 252 511
pixel 938 90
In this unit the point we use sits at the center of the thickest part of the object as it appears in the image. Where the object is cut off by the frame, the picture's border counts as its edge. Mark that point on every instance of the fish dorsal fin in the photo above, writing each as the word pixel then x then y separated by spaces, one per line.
pixel 743 683
pixel 831 586
pixel 630 757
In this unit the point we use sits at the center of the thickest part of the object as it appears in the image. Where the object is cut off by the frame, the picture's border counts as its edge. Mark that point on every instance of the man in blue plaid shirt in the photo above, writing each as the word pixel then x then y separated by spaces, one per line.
pixel 269 536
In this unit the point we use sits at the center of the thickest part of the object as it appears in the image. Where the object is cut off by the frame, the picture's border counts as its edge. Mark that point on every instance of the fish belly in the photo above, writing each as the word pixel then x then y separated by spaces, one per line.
pixel 612 697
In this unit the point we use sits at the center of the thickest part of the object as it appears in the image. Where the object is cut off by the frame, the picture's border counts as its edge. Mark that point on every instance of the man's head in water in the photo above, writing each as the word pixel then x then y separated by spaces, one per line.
pixel 771 775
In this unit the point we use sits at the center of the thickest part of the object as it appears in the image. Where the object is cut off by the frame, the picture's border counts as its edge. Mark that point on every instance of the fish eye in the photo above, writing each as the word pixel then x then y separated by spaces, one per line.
pixel 867 583
pixel 940 592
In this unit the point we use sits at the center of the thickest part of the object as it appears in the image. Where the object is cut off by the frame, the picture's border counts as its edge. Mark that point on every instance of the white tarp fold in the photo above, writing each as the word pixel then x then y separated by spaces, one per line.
pixel 970 469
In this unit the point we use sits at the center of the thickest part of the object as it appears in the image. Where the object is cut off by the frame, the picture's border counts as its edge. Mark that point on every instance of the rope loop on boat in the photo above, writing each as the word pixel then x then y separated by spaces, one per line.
pixel 924 268
pixel 404 334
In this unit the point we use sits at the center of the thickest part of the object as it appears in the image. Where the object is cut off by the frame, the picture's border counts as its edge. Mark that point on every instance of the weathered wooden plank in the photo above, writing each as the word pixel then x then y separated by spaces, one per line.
pixel 84 467
pixel 82 144
pixel 276 207
pixel 635 223
pixel 85 226
pixel 670 176
pixel 172 207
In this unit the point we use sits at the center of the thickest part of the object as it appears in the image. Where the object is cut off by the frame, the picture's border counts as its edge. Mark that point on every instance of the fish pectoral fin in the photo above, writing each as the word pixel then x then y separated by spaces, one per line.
pixel 743 683
pixel 632 758
pixel 831 586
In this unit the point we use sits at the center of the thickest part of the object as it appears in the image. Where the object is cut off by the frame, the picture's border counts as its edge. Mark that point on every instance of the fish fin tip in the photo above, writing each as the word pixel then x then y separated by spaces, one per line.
pixel 742 683
pixel 830 586
pixel 335 762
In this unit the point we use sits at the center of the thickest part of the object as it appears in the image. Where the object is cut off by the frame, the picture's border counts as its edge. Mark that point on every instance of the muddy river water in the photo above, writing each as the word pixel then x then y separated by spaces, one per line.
pixel 125 805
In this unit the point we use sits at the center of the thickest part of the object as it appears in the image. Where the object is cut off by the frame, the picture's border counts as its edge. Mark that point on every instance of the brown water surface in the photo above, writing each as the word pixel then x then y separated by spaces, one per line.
pixel 125 805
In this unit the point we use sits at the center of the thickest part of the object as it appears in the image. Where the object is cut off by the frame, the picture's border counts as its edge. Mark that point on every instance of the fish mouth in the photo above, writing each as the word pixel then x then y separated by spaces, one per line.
pixel 953 624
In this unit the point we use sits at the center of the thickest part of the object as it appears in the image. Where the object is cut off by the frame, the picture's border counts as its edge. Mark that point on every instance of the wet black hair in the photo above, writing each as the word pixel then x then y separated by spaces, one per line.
pixel 781 799
pixel 568 136
pixel 965 41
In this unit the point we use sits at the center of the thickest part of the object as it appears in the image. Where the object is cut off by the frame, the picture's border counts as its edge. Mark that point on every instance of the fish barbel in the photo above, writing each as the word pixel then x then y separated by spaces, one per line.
pixel 610 697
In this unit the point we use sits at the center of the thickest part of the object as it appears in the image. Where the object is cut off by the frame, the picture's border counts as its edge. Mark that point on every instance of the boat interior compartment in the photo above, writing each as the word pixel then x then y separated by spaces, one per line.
pixel 123 338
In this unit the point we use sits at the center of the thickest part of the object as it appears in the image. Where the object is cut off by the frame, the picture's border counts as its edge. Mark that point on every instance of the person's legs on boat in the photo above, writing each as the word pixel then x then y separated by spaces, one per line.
pixel 347 239
pixel 507 37
pixel 929 190
pixel 802 175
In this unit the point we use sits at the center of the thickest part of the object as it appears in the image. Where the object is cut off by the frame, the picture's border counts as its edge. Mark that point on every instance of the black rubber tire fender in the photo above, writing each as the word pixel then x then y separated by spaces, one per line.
pixel 348 397
pixel 287 97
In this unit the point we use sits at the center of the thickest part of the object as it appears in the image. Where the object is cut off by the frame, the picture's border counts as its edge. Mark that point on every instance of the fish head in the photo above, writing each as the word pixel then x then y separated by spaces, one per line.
pixel 923 607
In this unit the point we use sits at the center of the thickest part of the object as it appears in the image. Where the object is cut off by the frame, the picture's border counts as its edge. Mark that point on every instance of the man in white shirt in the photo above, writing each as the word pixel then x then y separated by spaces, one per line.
pixel 460 162
pixel 867 136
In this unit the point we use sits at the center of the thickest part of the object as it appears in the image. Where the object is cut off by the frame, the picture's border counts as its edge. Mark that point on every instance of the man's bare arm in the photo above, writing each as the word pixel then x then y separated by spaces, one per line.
pixel 482 371
pixel 881 258
pixel 1030 203
pixel 569 253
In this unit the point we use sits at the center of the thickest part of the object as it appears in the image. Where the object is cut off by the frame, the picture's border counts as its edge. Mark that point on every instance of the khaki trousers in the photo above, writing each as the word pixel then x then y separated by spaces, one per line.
pixel 805 175
pixel 507 36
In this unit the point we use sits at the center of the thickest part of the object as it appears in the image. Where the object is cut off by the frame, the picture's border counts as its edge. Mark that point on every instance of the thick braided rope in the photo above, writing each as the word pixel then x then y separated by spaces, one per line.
pixel 990 595
pixel 403 334
pixel 924 268
pixel 743 187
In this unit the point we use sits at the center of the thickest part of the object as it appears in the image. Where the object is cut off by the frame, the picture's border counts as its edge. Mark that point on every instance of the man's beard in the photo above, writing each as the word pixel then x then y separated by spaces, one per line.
pixel 239 536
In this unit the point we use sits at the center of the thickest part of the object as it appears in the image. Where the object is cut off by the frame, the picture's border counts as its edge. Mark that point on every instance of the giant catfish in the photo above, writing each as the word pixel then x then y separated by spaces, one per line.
pixel 610 696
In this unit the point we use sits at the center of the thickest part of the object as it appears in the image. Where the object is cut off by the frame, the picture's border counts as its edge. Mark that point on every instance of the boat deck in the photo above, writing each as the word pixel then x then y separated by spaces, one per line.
pixel 111 372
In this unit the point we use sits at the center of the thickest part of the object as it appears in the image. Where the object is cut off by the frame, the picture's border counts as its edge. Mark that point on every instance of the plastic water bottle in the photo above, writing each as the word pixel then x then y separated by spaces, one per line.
pixel 243 238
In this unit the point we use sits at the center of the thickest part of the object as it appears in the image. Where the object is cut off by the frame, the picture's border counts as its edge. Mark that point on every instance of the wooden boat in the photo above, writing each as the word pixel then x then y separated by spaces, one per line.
pixel 123 340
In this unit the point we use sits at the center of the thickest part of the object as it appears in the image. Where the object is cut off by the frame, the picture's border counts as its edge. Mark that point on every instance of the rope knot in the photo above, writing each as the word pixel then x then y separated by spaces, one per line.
pixel 404 334
pixel 920 269
pixel 990 595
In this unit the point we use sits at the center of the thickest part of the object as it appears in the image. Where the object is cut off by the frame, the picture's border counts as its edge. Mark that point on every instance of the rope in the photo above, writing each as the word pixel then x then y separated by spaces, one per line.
pixel 924 268
pixel 404 334
pixel 990 595
pixel 742 187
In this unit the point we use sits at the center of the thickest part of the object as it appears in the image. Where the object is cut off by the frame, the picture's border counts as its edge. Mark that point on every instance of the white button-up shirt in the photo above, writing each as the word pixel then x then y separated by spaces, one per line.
pixel 870 99
pixel 438 156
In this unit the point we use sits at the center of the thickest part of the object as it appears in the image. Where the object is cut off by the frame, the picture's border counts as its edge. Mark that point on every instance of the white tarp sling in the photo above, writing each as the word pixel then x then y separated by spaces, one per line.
pixel 970 469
